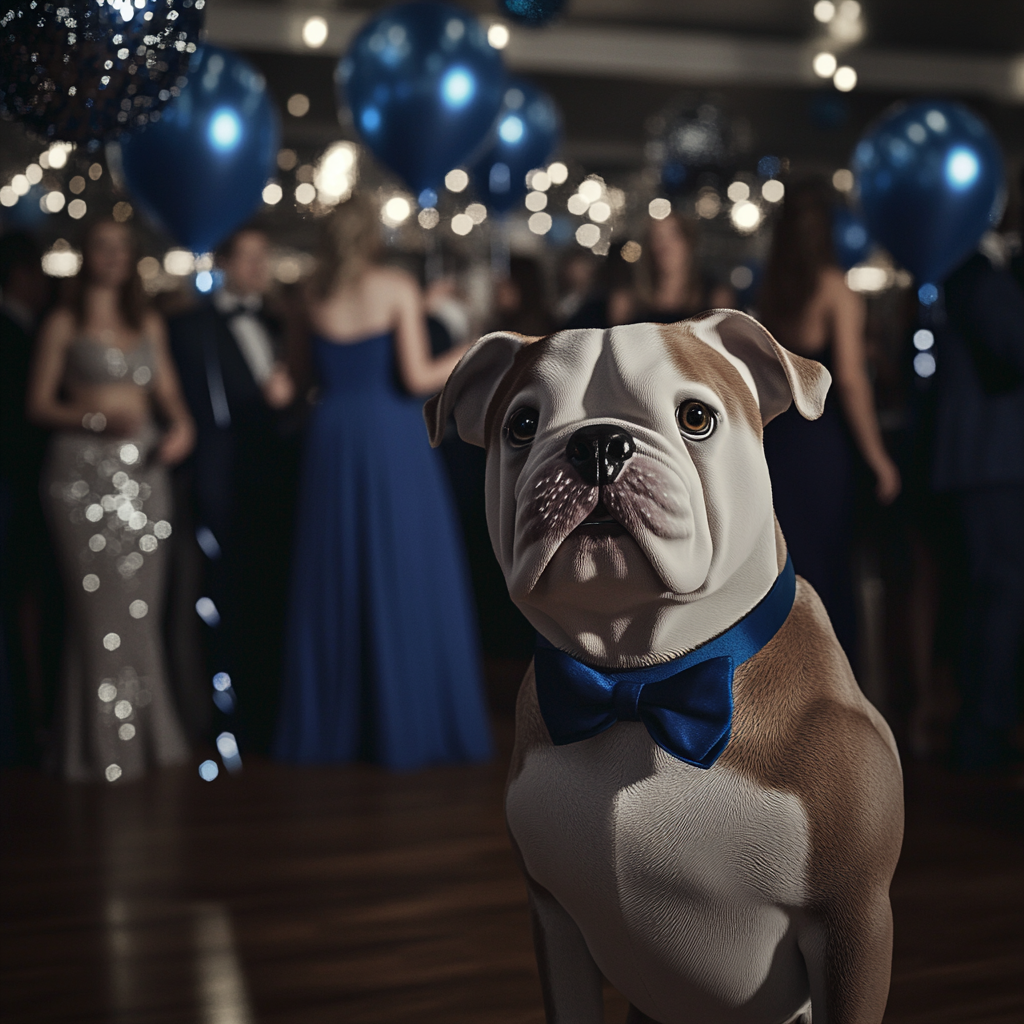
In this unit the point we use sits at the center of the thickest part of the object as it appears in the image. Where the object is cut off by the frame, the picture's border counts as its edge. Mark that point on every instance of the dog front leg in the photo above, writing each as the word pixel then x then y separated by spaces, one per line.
pixel 848 953
pixel 569 978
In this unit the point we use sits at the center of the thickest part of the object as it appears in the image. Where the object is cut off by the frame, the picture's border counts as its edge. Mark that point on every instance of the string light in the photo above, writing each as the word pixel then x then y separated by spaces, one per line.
pixel 845 79
pixel 540 223
pixel 498 35
pixel 659 208
pixel 558 173
pixel 314 32
pixel 824 64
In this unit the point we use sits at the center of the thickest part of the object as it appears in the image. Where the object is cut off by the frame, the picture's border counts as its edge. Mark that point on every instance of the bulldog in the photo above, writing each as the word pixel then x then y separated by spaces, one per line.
pixel 707 810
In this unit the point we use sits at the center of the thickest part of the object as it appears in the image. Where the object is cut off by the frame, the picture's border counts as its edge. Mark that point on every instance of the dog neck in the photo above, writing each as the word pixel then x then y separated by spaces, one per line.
pixel 666 628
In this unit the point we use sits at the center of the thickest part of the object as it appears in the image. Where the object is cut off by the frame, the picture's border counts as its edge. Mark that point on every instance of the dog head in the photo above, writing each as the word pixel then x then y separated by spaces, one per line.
pixel 628 498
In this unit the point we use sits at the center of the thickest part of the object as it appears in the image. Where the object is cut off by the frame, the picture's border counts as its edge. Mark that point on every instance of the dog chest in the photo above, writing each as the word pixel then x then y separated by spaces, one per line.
pixel 683 881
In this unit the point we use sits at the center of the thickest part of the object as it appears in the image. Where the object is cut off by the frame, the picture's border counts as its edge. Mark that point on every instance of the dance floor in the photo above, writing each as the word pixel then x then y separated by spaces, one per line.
pixel 307 896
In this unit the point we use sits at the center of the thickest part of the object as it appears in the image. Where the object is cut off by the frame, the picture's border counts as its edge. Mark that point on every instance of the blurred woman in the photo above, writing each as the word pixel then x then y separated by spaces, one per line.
pixel 520 303
pixel 382 661
pixel 668 285
pixel 807 305
pixel 102 370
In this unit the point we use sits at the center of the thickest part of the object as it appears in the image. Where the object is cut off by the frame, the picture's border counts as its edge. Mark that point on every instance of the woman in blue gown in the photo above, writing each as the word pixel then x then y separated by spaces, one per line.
pixel 807 305
pixel 382 657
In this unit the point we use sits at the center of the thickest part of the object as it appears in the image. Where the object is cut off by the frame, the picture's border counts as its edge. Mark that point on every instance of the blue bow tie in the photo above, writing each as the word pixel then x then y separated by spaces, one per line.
pixel 685 704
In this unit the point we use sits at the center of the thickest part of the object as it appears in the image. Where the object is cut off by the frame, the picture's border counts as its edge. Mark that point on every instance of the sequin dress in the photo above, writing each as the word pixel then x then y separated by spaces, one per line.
pixel 108 504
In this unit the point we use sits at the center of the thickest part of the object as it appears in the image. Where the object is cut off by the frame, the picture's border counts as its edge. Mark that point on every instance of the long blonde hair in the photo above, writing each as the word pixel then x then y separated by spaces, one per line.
pixel 349 243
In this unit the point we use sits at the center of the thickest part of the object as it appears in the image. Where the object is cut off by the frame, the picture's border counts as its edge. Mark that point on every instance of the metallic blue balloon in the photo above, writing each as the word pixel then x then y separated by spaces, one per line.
pixel 200 170
pixel 424 86
pixel 525 134
pixel 850 237
pixel 930 177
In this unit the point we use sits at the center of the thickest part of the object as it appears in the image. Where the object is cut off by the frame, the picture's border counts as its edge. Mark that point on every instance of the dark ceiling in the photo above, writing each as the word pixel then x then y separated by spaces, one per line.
pixel 984 26
pixel 816 127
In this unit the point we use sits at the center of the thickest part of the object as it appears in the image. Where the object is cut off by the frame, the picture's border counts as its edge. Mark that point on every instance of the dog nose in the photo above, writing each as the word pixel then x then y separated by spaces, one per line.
pixel 599 453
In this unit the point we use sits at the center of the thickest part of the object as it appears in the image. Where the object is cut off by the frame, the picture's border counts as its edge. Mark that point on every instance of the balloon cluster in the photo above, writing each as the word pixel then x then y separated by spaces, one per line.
pixel 930 177
pixel 424 86
pixel 525 135
pixel 84 70
pixel 200 171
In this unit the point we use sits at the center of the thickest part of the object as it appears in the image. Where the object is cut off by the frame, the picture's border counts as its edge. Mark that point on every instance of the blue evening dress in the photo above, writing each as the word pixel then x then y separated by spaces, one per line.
pixel 382 660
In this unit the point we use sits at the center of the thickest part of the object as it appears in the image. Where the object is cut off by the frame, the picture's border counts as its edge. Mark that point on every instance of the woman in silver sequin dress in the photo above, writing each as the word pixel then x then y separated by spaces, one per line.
pixel 102 366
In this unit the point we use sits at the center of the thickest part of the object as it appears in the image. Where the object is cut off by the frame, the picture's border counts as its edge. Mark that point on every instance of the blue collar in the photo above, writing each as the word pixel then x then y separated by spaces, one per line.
pixel 685 704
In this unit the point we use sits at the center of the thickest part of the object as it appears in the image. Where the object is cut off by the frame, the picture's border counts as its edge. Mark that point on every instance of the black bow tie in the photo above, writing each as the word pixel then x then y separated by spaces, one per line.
pixel 234 305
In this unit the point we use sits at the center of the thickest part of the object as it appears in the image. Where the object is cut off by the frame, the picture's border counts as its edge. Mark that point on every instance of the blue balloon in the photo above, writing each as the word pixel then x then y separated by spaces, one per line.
pixel 930 177
pixel 200 170
pixel 424 86
pixel 526 133
pixel 850 237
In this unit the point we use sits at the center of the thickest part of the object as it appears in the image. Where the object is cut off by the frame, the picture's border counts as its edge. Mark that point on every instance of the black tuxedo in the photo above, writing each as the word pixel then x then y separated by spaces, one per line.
pixel 242 476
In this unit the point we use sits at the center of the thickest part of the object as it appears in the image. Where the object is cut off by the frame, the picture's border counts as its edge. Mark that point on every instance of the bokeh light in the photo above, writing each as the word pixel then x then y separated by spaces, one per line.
pixel 659 208
pixel 314 32
pixel 456 181
pixel 498 35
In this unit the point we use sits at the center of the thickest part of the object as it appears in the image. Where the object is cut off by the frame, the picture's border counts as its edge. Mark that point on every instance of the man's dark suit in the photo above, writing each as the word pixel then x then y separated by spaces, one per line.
pixel 979 458
pixel 242 480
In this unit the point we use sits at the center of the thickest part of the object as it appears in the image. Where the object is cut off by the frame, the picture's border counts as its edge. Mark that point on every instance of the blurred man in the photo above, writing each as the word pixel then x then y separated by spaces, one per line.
pixel 229 354
pixel 979 458
pixel 29 578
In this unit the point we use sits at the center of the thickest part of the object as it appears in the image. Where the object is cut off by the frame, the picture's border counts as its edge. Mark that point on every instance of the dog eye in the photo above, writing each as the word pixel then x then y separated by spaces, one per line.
pixel 522 427
pixel 695 419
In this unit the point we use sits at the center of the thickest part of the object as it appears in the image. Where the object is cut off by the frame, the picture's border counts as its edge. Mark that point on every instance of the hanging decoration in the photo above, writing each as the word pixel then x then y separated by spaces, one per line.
pixel 84 71
pixel 696 144
pixel 200 171
pixel 424 86
pixel 931 182
pixel 531 12
pixel 526 133
pixel 850 237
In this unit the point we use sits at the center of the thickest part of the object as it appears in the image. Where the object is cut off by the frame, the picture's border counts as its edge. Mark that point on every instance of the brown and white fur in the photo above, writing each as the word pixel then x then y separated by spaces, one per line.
pixel 756 890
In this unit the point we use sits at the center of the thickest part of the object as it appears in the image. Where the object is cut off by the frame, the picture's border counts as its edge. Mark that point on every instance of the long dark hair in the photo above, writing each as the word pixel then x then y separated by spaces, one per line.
pixel 801 249
pixel 131 301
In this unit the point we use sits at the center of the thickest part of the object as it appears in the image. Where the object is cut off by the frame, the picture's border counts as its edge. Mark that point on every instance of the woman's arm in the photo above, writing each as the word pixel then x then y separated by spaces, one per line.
pixel 43 404
pixel 854 388
pixel 181 432
pixel 420 372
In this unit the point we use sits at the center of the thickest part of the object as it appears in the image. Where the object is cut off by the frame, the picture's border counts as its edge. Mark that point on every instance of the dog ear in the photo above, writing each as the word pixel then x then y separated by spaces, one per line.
pixel 471 386
pixel 781 376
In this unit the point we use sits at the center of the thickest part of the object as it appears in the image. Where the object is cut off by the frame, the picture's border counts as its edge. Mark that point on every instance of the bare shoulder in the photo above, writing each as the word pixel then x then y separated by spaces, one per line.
pixel 393 281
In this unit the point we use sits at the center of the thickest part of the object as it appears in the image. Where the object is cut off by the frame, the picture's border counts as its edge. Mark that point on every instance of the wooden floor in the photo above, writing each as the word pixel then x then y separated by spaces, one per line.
pixel 307 896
